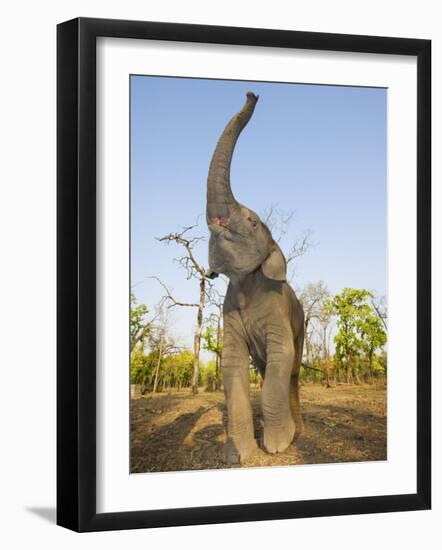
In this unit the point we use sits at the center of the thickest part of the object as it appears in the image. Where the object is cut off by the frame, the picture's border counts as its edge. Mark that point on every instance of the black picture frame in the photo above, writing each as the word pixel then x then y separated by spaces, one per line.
pixel 76 274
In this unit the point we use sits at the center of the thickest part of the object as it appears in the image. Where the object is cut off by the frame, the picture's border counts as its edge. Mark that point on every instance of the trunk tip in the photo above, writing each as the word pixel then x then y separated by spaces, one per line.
pixel 252 97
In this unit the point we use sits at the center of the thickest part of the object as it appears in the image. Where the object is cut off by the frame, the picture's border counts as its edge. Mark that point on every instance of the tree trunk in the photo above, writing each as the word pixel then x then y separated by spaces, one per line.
pixel 143 385
pixel 218 355
pixel 217 372
pixel 307 342
pixel 197 339
pixel 324 345
pixel 349 378
pixel 157 368
pixel 355 374
pixel 327 375
pixel 370 366
pixel 141 334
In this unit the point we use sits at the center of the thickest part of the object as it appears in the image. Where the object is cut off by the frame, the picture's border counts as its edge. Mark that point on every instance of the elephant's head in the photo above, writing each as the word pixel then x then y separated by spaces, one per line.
pixel 240 242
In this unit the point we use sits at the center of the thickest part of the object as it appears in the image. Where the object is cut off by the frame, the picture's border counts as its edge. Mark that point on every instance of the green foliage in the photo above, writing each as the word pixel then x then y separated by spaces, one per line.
pixel 360 331
pixel 142 368
pixel 254 376
pixel 350 306
pixel 378 365
pixel 372 333
pixel 175 370
pixel 382 360
pixel 208 375
pixel 210 340
pixel 139 326
pixel 359 345
pixel 326 310
pixel 313 374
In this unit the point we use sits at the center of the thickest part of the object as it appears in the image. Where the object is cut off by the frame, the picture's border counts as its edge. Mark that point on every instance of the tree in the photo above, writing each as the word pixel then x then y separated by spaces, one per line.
pixel 379 304
pixel 178 369
pixel 212 336
pixel 324 317
pixel 159 341
pixel 141 369
pixel 163 345
pixel 373 336
pixel 140 327
pixel 208 373
pixel 195 270
pixel 351 307
pixel 212 342
pixel 312 298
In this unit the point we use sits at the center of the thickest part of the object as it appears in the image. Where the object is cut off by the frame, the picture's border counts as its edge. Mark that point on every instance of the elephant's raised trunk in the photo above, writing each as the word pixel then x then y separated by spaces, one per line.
pixel 220 199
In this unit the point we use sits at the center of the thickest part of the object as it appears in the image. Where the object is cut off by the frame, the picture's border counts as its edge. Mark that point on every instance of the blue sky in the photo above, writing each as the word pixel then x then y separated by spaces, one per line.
pixel 319 151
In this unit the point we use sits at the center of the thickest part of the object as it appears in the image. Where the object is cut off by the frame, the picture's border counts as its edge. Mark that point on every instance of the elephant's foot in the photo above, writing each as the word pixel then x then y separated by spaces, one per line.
pixel 278 439
pixel 240 451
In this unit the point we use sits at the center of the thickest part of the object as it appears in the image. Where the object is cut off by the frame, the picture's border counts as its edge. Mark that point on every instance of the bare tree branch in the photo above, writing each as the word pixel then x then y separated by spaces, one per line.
pixel 309 367
pixel 169 297
pixel 189 261
pixel 279 221
pixel 215 298
pixel 300 246
pixel 142 333
pixel 380 307
pixel 194 270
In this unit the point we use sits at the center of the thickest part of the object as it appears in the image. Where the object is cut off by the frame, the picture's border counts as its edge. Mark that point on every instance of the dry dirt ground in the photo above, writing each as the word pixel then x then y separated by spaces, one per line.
pixel 180 431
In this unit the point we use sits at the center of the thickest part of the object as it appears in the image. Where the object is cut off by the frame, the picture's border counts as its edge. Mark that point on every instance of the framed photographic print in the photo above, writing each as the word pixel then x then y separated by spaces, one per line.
pixel 243 274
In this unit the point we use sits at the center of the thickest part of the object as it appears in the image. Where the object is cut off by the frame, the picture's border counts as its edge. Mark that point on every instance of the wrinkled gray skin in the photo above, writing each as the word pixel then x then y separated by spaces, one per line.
pixel 262 315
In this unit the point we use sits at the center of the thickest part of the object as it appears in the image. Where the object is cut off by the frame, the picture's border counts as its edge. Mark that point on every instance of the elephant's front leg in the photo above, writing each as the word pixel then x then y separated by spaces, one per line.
pixel 241 443
pixel 279 427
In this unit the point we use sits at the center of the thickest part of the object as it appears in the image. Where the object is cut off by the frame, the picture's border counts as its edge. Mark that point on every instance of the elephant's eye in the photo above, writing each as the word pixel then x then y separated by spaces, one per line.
pixel 253 222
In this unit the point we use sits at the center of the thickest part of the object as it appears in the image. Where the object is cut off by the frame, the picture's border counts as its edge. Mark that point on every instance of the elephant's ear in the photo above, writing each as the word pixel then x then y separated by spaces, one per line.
pixel 275 267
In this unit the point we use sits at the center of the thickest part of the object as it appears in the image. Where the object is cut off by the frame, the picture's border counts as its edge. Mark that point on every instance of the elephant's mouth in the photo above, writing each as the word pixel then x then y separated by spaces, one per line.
pixel 220 222
pixel 223 227
pixel 218 225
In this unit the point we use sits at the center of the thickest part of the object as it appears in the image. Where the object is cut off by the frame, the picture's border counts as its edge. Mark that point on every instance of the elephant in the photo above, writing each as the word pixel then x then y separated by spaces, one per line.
pixel 263 319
